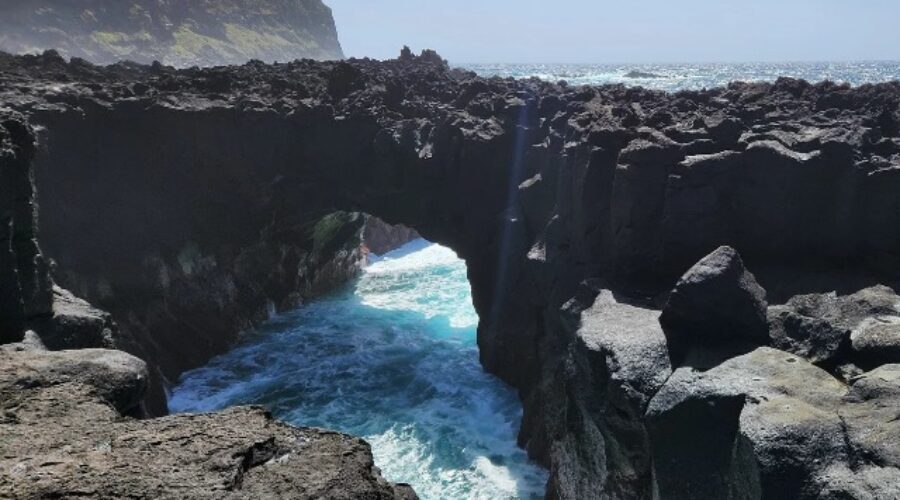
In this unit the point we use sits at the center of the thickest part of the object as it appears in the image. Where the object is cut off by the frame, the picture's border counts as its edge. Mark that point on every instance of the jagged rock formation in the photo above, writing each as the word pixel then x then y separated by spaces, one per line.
pixel 68 417
pixel 379 237
pixel 716 303
pixel 63 435
pixel 25 287
pixel 177 32
pixel 576 210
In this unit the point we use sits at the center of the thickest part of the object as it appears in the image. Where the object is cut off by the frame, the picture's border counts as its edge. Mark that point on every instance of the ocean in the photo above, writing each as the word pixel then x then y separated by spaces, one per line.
pixel 675 77
pixel 392 358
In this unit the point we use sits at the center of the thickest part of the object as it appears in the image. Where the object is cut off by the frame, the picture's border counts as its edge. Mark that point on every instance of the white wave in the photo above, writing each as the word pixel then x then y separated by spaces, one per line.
pixel 395 362
pixel 431 281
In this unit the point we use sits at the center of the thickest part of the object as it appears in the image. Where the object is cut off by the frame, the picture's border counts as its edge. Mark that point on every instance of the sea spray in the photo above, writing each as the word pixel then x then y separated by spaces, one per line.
pixel 392 359
pixel 677 77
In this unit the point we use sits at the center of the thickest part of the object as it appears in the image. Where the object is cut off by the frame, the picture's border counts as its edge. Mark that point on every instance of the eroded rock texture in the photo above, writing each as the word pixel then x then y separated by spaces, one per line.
pixel 63 435
pixel 576 210
pixel 25 285
pixel 379 237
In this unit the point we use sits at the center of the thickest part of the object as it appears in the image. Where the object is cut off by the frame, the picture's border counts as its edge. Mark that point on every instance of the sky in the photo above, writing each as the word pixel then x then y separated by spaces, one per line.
pixel 624 31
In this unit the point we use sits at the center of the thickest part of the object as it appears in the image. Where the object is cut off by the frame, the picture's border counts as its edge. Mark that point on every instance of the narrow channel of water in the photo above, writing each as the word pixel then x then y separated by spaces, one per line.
pixel 392 358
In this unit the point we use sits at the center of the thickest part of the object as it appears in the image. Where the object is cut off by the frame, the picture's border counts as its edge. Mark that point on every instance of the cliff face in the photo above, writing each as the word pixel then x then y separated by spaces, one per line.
pixel 69 405
pixel 175 199
pixel 25 287
pixel 177 32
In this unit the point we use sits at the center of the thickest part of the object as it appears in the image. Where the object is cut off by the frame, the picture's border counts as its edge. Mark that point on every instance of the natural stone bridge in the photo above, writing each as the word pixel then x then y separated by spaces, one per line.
pixel 186 202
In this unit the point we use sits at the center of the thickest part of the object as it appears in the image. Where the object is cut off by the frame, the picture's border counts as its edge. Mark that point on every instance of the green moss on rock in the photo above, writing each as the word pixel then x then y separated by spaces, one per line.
pixel 183 33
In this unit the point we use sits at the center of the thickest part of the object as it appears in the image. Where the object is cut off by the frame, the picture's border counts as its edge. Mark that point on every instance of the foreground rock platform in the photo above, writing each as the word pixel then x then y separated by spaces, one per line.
pixel 63 435
pixel 576 210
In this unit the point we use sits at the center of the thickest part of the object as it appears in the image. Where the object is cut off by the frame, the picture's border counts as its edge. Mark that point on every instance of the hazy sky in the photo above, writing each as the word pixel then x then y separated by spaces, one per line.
pixel 596 31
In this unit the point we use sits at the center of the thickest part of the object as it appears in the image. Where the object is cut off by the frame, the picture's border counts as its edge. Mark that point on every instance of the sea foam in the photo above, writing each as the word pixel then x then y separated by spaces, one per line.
pixel 392 359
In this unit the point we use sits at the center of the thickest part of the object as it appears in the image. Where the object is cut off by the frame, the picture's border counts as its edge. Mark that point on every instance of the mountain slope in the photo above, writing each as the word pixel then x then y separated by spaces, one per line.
pixel 176 32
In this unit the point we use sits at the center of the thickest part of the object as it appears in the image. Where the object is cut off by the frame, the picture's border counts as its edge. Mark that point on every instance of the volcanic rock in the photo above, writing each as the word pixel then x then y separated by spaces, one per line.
pixel 62 435
pixel 716 303
pixel 641 74
pixel 878 341
pixel 773 426
pixel 620 350
pixel 379 237
pixel 539 186
pixel 831 329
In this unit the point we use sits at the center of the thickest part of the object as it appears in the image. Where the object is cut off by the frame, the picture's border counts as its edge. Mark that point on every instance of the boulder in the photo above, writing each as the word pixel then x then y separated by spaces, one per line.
pixel 829 329
pixel 770 425
pixel 877 341
pixel 717 303
pixel 75 324
pixel 114 377
pixel 62 436
pixel 815 339
pixel 869 417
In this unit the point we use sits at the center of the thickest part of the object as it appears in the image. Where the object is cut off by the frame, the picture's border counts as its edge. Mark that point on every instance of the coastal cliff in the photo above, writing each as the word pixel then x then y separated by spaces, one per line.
pixel 73 410
pixel 694 293
pixel 181 33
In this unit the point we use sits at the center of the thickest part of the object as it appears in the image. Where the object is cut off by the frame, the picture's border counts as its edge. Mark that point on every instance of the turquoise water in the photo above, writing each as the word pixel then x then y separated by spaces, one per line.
pixel 674 77
pixel 392 359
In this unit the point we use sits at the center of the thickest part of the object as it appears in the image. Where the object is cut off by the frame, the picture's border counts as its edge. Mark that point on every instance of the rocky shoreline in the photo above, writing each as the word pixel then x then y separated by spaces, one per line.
pixel 65 434
pixel 769 372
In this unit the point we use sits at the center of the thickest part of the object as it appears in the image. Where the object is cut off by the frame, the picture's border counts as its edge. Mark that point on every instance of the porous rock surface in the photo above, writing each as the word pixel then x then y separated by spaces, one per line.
pixel 576 209
pixel 63 435
pixel 717 301
pixel 771 425
pixel 857 329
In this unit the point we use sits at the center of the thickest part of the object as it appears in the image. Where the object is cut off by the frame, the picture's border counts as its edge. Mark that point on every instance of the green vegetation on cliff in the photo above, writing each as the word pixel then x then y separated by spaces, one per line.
pixel 176 32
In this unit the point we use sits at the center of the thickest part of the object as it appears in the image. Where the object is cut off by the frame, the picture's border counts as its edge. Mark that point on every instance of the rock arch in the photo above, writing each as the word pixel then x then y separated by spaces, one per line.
pixel 185 201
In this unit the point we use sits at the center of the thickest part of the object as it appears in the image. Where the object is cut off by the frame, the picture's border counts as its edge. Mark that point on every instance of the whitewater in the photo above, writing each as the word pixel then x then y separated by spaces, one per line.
pixel 673 77
pixel 393 359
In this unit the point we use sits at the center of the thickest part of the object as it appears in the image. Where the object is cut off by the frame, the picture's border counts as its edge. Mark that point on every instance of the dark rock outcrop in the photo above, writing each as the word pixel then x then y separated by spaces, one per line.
pixel 63 435
pixel 540 187
pixel 75 324
pixel 641 74
pixel 829 329
pixel 716 303
pixel 181 33
pixel 617 360
pixel 379 237
pixel 774 426
pixel 878 342
pixel 25 286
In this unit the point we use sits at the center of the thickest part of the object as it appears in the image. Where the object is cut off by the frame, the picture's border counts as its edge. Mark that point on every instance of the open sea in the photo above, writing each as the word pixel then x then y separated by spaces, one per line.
pixel 675 77
pixel 393 357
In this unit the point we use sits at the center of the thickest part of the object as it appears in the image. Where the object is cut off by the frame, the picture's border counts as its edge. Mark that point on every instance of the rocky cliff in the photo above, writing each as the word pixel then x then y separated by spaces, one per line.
pixel 71 412
pixel 694 293
pixel 177 32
